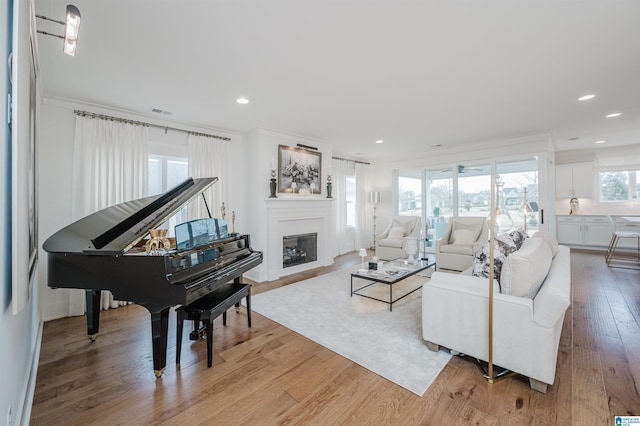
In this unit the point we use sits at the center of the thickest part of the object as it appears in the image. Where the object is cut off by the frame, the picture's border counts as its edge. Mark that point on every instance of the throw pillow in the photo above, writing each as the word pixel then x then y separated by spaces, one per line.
pixel 396 232
pixel 517 236
pixel 524 272
pixel 549 239
pixel 503 246
pixel 404 223
pixel 463 237
pixel 474 228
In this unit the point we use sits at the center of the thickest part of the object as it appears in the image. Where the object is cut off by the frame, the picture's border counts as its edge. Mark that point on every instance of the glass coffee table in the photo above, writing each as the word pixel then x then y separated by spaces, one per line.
pixel 392 273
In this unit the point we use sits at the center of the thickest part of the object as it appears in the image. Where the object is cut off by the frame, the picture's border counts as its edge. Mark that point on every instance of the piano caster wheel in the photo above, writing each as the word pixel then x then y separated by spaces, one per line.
pixel 93 337
pixel 158 373
pixel 237 309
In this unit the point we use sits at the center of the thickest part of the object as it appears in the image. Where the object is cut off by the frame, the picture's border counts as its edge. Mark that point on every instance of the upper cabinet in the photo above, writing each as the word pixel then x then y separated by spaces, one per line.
pixel 574 180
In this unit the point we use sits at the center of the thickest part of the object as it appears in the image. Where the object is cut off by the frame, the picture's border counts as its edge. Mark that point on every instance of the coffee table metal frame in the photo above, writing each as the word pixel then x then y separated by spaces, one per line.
pixel 405 270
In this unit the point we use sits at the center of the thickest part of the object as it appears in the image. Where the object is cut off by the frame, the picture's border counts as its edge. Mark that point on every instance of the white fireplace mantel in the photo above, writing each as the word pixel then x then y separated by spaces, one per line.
pixel 297 215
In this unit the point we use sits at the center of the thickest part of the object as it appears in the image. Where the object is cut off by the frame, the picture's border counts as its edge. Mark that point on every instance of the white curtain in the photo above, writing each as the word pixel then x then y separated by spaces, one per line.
pixel 209 157
pixel 364 211
pixel 110 166
pixel 338 167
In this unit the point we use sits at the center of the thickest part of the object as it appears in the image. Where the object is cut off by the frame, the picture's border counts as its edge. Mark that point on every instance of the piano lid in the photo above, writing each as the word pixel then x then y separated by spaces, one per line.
pixel 115 229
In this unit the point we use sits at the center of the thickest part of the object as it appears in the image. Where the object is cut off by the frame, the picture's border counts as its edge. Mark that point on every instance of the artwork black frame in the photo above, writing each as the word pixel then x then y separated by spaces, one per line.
pixel 299 165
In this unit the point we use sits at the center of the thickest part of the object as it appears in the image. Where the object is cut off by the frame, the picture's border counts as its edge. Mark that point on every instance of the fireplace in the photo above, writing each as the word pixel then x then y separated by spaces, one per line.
pixel 299 249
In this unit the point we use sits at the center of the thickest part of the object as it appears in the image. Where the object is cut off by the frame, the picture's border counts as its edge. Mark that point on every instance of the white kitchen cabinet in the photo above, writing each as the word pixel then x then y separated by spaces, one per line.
pixel 597 231
pixel 570 230
pixel 574 180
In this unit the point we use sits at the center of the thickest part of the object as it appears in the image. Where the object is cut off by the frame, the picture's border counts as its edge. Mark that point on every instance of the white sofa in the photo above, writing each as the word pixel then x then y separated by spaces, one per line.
pixel 526 323
pixel 393 240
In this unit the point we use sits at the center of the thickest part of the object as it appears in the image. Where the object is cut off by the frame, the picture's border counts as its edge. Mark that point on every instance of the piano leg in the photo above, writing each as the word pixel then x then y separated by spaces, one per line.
pixel 93 313
pixel 159 331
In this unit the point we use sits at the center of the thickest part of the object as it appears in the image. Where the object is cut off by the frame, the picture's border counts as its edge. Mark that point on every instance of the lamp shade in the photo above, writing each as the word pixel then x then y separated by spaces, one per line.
pixel 363 252
pixel 374 197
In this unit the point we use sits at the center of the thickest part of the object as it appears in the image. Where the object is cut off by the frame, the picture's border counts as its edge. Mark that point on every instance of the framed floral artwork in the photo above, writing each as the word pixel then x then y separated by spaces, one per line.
pixel 299 169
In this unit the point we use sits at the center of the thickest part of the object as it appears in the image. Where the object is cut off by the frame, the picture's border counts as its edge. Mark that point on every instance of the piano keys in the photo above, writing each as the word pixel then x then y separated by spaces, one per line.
pixel 96 253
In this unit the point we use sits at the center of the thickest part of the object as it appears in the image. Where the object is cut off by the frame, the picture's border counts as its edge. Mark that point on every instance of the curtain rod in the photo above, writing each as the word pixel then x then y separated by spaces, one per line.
pixel 353 161
pixel 142 123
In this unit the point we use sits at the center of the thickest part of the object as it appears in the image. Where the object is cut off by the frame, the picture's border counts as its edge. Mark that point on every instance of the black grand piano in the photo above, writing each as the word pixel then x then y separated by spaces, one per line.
pixel 98 253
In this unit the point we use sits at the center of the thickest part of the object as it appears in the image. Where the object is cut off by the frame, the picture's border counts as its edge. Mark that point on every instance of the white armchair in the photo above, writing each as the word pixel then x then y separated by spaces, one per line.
pixel 464 234
pixel 392 241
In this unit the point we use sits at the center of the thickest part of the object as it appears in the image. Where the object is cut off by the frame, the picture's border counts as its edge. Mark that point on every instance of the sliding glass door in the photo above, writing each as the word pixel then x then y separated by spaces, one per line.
pixel 430 193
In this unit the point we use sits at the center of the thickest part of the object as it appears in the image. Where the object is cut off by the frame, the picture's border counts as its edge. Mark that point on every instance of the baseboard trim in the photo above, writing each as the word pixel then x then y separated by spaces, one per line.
pixel 30 382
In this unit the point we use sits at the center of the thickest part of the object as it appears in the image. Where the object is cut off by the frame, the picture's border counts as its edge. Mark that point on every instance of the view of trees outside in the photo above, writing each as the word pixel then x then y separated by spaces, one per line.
pixel 619 185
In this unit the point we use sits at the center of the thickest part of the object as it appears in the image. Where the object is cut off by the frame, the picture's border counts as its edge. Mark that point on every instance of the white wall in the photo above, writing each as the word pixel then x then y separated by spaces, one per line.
pixel 19 334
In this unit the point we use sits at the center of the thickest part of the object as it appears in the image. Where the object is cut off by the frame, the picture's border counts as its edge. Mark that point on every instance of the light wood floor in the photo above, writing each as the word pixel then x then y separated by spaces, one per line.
pixel 271 375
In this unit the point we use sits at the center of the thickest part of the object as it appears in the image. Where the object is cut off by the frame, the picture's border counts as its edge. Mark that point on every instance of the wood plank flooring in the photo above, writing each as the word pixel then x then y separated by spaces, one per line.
pixel 270 375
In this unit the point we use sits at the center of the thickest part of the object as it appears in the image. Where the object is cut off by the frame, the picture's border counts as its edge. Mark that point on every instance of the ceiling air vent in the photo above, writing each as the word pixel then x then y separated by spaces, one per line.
pixel 159 111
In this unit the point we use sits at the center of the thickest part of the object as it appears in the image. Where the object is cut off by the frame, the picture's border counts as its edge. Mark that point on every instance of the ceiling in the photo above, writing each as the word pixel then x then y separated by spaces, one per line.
pixel 416 74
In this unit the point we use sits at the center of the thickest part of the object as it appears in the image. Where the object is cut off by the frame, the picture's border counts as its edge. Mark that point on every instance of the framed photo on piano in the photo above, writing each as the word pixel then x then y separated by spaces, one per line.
pixel 299 169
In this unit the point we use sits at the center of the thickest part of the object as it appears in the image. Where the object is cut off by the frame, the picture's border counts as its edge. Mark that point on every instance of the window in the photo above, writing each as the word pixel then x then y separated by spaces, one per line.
pixel 410 193
pixel 164 173
pixel 350 200
pixel 619 185
pixel 474 189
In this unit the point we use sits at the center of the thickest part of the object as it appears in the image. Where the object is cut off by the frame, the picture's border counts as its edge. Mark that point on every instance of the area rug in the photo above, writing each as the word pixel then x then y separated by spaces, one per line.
pixel 387 343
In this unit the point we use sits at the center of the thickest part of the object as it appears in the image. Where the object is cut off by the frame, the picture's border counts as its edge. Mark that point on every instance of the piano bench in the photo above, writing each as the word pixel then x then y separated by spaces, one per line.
pixel 207 308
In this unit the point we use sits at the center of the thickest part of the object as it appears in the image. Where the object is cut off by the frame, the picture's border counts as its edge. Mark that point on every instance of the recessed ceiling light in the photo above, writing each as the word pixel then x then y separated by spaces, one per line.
pixel 600 142
pixel 242 101
pixel 615 114
pixel 586 97
pixel 379 141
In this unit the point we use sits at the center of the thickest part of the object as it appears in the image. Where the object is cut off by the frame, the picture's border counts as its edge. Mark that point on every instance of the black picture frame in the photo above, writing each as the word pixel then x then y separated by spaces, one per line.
pixel 300 166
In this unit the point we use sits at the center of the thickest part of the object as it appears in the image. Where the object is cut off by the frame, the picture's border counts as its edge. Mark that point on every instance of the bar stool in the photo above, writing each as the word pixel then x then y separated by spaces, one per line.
pixel 207 308
pixel 621 261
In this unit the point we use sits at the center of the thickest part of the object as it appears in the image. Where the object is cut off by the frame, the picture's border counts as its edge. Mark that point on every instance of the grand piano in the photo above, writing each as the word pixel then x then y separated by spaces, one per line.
pixel 98 252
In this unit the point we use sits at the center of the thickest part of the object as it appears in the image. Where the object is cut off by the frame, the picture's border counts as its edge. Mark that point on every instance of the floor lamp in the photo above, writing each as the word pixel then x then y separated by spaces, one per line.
pixel 374 198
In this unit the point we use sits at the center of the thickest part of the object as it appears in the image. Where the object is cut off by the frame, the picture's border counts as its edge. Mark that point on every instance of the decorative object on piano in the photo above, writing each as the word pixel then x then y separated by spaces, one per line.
pixel 233 222
pixel 329 186
pixel 223 211
pixel 158 241
pixel 304 192
pixel 298 168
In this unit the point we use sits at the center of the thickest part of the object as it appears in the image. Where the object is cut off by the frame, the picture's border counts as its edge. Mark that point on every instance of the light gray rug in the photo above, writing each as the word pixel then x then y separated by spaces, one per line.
pixel 389 344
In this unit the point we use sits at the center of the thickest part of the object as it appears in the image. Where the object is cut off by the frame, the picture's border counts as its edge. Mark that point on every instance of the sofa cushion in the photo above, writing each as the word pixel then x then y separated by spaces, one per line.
pixel 396 232
pixel 549 239
pixel 391 242
pixel 464 237
pixel 503 246
pixel 524 271
pixel 457 249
